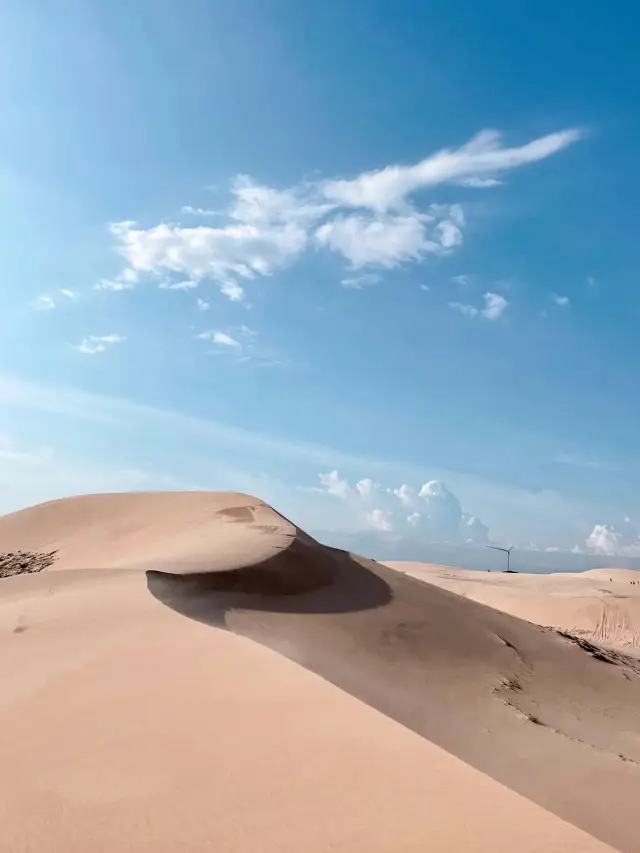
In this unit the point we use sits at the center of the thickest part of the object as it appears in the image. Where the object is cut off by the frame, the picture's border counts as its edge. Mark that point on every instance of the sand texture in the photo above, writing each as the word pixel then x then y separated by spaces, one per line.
pixel 194 673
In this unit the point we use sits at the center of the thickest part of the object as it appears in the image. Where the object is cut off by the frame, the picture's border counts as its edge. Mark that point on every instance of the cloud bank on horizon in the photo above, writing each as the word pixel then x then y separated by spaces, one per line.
pixel 431 512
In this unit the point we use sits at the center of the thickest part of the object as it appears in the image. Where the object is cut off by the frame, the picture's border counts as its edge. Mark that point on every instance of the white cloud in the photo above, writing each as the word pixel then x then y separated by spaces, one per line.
pixel 187 284
pixel 93 344
pixel 225 340
pixel 70 294
pixel 232 290
pixel 475 164
pixel 199 211
pixel 562 301
pixel 436 512
pixel 469 310
pixel 366 488
pixel 202 304
pixel 381 520
pixel 115 284
pixel 359 281
pixel 405 494
pixel 494 306
pixel 267 229
pixel 43 303
pixel 240 345
pixel 462 280
pixel 473 529
pixel 383 241
pixel 605 539
pixel 389 240
pixel 333 484
pixel 221 338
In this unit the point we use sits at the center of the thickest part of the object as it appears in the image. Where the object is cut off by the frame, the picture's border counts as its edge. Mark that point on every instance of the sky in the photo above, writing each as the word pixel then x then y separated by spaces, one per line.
pixel 375 263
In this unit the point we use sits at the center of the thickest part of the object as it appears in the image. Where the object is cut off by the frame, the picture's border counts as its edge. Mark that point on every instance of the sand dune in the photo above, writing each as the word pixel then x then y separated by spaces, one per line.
pixel 599 605
pixel 130 721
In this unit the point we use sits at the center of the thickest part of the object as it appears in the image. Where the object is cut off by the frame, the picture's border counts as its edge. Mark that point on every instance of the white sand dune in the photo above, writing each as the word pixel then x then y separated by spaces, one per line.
pixel 599 605
pixel 131 721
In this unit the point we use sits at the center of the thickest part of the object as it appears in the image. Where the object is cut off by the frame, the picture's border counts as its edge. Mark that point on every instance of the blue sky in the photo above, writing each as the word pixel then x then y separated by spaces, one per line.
pixel 321 252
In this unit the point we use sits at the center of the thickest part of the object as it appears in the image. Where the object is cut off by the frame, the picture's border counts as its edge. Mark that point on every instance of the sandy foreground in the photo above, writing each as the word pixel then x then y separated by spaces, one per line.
pixel 193 673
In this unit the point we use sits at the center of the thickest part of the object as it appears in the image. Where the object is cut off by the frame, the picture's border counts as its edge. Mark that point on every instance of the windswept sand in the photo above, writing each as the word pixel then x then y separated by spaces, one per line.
pixel 599 605
pixel 130 720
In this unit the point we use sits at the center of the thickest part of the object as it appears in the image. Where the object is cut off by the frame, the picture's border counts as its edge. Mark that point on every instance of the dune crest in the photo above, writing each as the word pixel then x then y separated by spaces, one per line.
pixel 130 721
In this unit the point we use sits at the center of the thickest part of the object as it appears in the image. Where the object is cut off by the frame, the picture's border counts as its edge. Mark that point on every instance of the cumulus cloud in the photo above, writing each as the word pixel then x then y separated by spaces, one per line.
pixel 562 301
pixel 389 240
pixel 404 494
pixel 381 520
pixel 366 488
pixel 431 512
pixel 494 307
pixel 368 220
pixel 477 164
pixel 333 484
pixel 266 230
pixel 93 344
pixel 202 304
pixel 605 539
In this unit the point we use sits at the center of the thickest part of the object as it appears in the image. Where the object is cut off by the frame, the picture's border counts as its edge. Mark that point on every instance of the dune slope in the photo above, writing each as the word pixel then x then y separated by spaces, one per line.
pixel 599 605
pixel 125 725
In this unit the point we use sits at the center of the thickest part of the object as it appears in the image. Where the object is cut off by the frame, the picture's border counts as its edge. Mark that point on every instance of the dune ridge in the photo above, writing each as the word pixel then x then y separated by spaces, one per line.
pixel 125 707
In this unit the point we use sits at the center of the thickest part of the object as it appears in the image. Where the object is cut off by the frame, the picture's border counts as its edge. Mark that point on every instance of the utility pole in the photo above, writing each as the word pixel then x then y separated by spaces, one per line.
pixel 506 551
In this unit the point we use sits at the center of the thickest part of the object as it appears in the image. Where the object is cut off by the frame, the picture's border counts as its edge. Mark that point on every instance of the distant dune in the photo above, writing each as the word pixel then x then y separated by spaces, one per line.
pixel 137 715
pixel 599 605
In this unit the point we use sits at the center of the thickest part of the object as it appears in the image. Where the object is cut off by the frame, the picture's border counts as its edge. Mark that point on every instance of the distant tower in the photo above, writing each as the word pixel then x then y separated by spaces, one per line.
pixel 506 551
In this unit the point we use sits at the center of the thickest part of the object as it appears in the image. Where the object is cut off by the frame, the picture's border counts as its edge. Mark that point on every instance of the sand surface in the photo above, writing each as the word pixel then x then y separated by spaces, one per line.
pixel 599 605
pixel 193 673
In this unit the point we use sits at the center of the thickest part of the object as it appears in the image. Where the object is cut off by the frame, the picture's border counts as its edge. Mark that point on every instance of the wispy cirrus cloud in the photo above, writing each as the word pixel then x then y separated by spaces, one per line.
pixel 494 307
pixel 369 220
pixel 358 282
pixel 240 344
pixel 478 164
pixel 94 344
pixel 46 302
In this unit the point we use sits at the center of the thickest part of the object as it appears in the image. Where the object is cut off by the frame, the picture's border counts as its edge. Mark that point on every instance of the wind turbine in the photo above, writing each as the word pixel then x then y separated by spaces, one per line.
pixel 506 551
